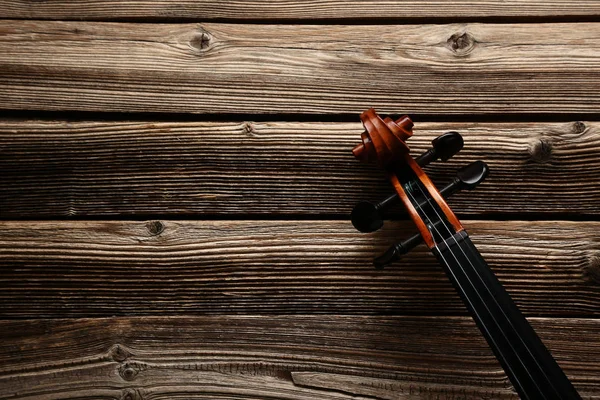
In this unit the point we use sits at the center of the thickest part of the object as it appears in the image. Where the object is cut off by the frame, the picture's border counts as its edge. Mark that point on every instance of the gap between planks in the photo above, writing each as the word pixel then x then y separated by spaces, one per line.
pixel 101 116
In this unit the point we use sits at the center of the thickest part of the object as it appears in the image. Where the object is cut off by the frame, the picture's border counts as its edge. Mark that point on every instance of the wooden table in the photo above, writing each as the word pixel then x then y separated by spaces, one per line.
pixel 177 177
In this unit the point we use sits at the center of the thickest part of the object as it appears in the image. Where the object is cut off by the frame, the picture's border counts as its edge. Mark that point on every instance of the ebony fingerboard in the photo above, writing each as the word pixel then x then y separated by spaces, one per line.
pixel 531 368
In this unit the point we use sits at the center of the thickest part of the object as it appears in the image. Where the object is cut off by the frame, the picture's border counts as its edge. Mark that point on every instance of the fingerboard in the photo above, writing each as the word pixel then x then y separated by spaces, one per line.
pixel 529 365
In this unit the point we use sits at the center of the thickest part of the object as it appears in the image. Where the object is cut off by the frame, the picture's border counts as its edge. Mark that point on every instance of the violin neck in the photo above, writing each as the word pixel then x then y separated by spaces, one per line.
pixel 529 365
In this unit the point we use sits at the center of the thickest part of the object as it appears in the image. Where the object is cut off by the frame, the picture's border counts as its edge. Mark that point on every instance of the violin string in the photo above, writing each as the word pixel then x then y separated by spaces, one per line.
pixel 427 198
pixel 439 218
pixel 419 205
pixel 432 225
pixel 469 280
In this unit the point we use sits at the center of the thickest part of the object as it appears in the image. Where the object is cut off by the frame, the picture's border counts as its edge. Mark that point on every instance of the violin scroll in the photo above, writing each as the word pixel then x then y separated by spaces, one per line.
pixel 383 141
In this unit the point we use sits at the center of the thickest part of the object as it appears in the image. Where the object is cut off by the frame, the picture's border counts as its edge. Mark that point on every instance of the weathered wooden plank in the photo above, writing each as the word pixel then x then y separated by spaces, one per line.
pixel 258 68
pixel 284 357
pixel 98 268
pixel 363 10
pixel 60 168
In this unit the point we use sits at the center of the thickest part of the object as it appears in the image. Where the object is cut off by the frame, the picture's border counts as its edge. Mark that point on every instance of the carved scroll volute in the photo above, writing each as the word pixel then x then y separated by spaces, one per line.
pixel 383 141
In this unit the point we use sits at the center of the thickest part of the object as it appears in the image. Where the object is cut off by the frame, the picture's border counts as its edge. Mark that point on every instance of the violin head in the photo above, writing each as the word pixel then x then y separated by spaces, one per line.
pixel 384 142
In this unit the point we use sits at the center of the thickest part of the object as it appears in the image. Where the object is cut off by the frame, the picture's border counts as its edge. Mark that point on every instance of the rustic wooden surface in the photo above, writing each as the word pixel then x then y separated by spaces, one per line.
pixel 323 69
pixel 282 357
pixel 296 10
pixel 177 176
pixel 104 268
pixel 65 168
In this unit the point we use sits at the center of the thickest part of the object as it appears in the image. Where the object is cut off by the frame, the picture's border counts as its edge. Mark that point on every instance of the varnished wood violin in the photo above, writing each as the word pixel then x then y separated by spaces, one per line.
pixel 528 364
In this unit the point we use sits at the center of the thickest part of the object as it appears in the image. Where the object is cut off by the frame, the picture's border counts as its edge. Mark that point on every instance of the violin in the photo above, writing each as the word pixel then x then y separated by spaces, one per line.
pixel 527 362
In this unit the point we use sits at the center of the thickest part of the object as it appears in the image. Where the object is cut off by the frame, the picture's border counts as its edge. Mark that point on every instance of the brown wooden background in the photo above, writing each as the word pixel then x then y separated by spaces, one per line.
pixel 176 179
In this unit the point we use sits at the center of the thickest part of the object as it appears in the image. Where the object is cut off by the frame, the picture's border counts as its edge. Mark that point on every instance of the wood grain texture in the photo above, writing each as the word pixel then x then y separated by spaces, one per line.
pixel 63 168
pixel 320 69
pixel 100 268
pixel 362 10
pixel 284 357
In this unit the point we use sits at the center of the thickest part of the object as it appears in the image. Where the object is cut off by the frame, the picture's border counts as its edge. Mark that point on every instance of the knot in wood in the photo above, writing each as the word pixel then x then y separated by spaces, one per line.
pixel 591 272
pixel 131 394
pixel 201 41
pixel 248 129
pixel 119 353
pixel 541 151
pixel 461 44
pixel 578 127
pixel 129 371
pixel 155 227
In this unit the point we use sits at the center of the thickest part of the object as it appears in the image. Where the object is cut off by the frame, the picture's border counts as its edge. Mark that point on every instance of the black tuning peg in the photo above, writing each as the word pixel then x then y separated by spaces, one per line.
pixel 467 178
pixel 396 251
pixel 444 147
pixel 366 216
